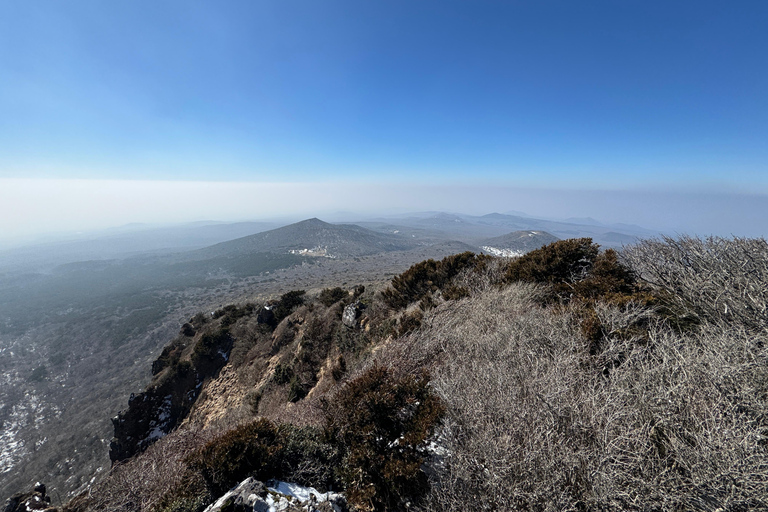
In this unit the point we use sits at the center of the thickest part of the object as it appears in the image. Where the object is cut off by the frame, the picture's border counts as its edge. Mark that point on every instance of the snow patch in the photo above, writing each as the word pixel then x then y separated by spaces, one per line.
pixel 506 253
pixel 316 252
pixel 281 496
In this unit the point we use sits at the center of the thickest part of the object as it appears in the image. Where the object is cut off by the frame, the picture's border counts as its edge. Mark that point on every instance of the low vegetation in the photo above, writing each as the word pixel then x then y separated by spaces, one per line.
pixel 567 379
pixel 381 422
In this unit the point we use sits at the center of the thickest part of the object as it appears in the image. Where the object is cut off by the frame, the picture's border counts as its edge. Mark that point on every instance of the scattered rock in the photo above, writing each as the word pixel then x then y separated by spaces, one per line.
pixel 351 315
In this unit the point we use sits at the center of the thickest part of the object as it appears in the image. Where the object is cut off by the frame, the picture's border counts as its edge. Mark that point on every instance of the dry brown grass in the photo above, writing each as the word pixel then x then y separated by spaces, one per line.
pixel 680 423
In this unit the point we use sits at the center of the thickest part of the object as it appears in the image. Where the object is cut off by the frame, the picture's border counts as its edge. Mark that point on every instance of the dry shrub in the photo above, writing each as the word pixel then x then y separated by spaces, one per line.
pixel 330 296
pixel 244 451
pixel 532 423
pixel 429 276
pixel 574 268
pixel 380 421
pixel 716 280
pixel 140 483
pixel 482 277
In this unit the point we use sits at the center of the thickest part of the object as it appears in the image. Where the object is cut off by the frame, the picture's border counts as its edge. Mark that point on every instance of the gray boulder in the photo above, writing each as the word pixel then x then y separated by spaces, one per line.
pixel 248 496
pixel 351 315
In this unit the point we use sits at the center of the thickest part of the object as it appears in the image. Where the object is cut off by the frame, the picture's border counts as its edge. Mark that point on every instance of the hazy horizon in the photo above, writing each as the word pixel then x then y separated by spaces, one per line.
pixel 90 205
pixel 647 113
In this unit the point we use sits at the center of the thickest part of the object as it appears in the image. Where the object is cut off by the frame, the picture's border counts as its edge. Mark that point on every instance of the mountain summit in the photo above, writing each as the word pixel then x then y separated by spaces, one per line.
pixel 313 237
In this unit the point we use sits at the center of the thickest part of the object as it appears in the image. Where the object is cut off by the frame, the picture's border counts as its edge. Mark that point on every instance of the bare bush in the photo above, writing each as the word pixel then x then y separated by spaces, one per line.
pixel 718 280
pixel 478 279
pixel 140 483
pixel 679 424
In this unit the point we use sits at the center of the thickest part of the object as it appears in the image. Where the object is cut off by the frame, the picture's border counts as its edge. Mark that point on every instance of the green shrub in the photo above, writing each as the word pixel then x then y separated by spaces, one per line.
pixel 351 341
pixel 307 457
pixel 607 277
pixel 424 278
pixel 168 357
pixel 381 421
pixel 287 303
pixel 576 268
pixel 296 389
pixel 190 495
pixel 210 347
pixel 330 296
pixel 559 263
pixel 260 449
pixel 283 374
pixel 254 399
pixel 249 450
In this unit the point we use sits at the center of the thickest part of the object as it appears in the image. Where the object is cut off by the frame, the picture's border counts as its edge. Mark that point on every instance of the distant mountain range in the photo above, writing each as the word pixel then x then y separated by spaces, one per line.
pixel 474 229
pixel 312 237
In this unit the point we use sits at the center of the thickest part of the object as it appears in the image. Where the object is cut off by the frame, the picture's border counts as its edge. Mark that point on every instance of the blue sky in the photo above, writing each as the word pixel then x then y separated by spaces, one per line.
pixel 593 95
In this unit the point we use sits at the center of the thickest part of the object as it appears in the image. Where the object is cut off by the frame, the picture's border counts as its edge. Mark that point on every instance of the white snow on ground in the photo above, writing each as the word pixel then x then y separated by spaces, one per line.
pixel 281 496
pixel 506 253
pixel 298 491
pixel 12 448
pixel 316 252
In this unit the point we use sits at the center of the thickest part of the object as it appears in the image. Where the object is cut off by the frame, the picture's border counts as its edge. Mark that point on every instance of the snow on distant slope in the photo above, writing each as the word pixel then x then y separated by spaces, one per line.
pixel 506 253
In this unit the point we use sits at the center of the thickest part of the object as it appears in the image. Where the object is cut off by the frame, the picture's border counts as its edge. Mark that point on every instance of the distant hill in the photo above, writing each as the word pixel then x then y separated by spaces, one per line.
pixel 126 241
pixel 312 237
pixel 517 243
pixel 475 230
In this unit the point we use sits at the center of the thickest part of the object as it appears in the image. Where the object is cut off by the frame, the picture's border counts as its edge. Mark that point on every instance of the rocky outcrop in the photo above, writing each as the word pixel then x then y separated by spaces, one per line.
pixel 351 315
pixel 168 400
pixel 28 501
pixel 252 495
pixel 266 315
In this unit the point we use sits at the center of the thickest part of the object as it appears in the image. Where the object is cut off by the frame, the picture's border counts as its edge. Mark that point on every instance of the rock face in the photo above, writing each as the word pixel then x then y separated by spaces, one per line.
pixel 351 315
pixel 168 400
pixel 27 501
pixel 266 316
pixel 150 415
pixel 254 496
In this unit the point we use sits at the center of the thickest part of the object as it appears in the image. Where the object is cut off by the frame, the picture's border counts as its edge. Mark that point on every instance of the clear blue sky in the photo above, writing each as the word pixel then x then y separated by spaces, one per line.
pixel 583 94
